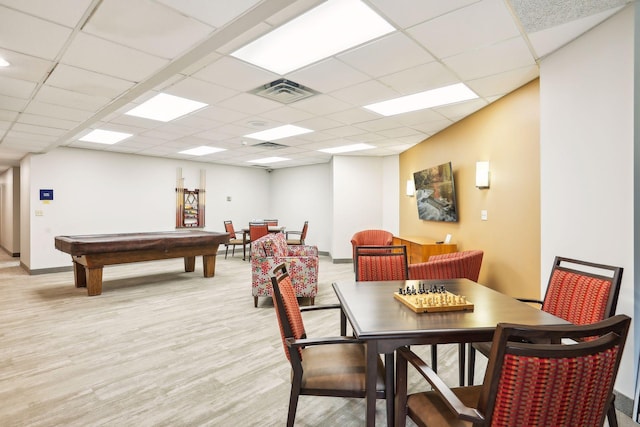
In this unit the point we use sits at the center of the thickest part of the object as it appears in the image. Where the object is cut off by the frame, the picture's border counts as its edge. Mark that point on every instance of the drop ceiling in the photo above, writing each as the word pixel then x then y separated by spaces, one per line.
pixel 79 65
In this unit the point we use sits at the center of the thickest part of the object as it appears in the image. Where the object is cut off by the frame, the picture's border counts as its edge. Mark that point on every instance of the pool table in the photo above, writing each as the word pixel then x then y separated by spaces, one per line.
pixel 90 253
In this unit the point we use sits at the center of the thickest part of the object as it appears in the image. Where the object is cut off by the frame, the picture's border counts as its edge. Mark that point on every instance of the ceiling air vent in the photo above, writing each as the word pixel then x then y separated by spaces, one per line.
pixel 271 145
pixel 284 91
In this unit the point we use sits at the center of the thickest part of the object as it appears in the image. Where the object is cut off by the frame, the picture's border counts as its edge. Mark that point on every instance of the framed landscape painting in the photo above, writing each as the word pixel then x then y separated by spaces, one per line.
pixel 436 194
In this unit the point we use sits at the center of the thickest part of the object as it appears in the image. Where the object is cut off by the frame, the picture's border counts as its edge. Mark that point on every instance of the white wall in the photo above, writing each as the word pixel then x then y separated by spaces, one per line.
pixel 101 192
pixel 365 195
pixel 302 194
pixel 10 210
pixel 586 142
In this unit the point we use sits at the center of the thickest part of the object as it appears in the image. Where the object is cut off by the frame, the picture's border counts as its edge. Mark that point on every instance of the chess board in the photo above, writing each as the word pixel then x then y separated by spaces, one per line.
pixel 430 302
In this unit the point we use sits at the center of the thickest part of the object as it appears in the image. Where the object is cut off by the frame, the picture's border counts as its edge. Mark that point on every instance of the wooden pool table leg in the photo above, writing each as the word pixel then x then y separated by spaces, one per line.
pixel 209 265
pixel 94 281
pixel 79 275
pixel 189 263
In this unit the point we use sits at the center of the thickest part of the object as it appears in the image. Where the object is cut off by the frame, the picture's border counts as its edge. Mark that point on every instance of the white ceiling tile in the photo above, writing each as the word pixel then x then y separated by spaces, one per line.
pixel 38 130
pixel 12 103
pixel 65 12
pixel 7 115
pixel 494 59
pixel 16 88
pixel 23 33
pixel 321 105
pixel 365 93
pixel 199 90
pixel 26 145
pixel 379 124
pixel 479 24
pixel 416 118
pixel 67 98
pixel 317 124
pixel 219 114
pixel 503 83
pixel 214 13
pixel 18 135
pixel 461 109
pixel 47 121
pixel 24 67
pixel 387 55
pixel 328 75
pixel 87 82
pixel 235 74
pixel 407 13
pixel 248 103
pixel 146 26
pixel 287 114
pixel 417 79
pixel 102 56
pixel 353 115
pixel 56 111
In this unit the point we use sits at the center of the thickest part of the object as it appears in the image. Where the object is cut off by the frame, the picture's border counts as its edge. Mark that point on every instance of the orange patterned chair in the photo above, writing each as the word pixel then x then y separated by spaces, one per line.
pixel 456 265
pixel 526 384
pixel 373 263
pixel 580 292
pixel 370 238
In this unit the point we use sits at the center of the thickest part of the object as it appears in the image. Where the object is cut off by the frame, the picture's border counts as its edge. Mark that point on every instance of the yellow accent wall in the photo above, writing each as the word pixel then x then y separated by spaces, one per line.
pixel 507 134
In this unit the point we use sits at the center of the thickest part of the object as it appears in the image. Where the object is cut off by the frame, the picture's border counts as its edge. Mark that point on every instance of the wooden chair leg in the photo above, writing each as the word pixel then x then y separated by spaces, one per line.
pixel 461 358
pixel 472 364
pixel 612 418
pixel 312 300
pixel 293 404
pixel 226 251
pixel 434 357
pixel 255 302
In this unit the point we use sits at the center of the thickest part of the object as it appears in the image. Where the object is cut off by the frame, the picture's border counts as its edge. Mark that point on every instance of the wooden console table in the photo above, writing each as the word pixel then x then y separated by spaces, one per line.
pixel 419 249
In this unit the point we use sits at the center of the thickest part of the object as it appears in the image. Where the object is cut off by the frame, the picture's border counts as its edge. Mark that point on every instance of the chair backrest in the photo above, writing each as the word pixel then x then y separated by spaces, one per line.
pixel 257 230
pixel 582 292
pixel 456 265
pixel 373 263
pixel 303 235
pixel 271 222
pixel 228 227
pixel 287 309
pixel 564 384
pixel 371 238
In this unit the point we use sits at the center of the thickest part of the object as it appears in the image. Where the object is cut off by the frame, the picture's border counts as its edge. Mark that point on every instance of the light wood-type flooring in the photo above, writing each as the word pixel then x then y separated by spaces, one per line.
pixel 161 347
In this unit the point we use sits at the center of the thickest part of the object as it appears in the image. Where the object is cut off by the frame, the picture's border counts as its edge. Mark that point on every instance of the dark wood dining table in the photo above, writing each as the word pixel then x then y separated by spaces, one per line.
pixel 386 324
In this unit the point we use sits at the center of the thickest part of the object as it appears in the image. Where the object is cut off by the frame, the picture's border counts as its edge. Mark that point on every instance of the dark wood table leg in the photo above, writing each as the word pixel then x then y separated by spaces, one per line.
pixel 390 387
pixel 244 246
pixel 209 265
pixel 461 359
pixel 189 263
pixel 371 376
pixel 79 275
pixel 94 281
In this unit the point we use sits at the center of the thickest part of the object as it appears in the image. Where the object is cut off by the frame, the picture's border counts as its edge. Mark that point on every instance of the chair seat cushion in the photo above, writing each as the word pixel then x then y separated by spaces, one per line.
pixel 434 412
pixel 337 367
pixel 235 242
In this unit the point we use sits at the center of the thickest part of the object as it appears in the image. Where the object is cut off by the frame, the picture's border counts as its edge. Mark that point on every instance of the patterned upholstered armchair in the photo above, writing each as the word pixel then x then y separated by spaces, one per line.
pixel 456 265
pixel 301 260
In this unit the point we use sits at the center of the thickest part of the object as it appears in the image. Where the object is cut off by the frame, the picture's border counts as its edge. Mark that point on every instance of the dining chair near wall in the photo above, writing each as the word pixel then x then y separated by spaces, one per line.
pixel 271 222
pixel 333 366
pixel 233 239
pixel 302 234
pixel 256 231
pixel 528 382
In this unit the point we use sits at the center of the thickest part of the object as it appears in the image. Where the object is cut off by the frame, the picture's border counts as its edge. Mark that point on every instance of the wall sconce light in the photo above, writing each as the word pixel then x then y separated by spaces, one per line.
pixel 482 174
pixel 411 188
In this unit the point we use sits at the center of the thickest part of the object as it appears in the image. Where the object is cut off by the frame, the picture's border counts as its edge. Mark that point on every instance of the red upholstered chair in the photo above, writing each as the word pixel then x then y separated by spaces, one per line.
pixel 373 263
pixel 371 238
pixel 333 366
pixel 580 292
pixel 526 384
pixel 456 265
pixel 233 239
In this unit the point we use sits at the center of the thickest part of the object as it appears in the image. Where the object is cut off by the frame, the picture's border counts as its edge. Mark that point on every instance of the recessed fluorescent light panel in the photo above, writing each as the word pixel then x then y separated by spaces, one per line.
pixel 202 150
pixel 419 101
pixel 347 148
pixel 101 136
pixel 330 28
pixel 3 62
pixel 164 108
pixel 278 133
pixel 269 160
